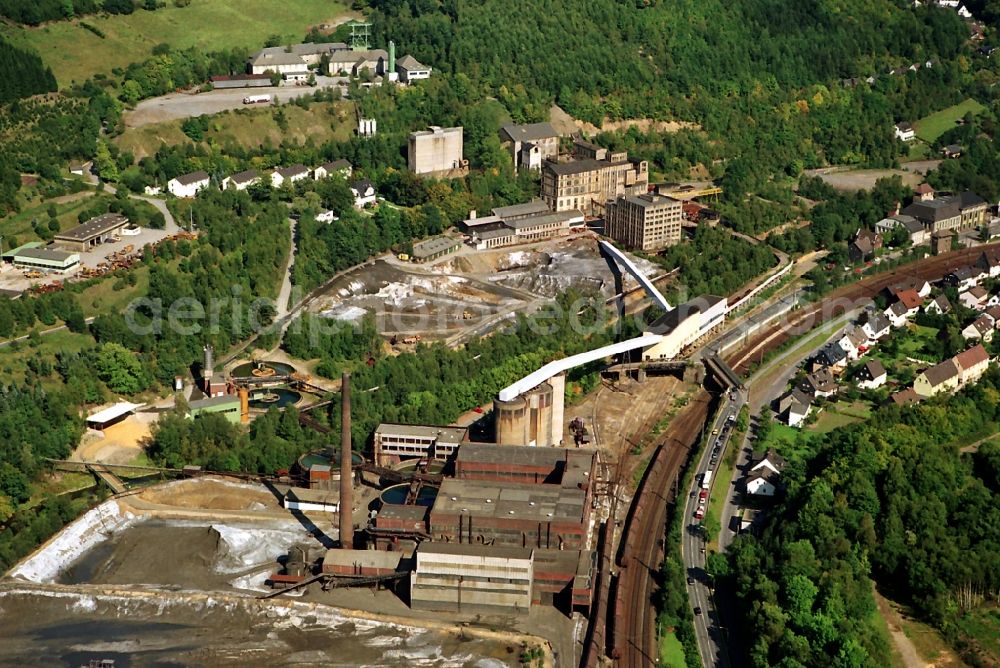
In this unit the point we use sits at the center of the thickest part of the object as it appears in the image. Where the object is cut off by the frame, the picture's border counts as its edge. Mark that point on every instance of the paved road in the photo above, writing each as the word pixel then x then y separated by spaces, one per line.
pixel 285 292
pixel 171 226
pixel 707 626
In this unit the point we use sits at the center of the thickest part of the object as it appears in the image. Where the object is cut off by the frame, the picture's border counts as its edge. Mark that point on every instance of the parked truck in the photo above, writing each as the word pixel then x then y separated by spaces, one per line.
pixel 256 99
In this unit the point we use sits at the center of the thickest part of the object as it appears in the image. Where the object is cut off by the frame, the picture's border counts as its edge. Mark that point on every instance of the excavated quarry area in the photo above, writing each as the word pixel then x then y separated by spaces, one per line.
pixel 172 575
pixel 470 291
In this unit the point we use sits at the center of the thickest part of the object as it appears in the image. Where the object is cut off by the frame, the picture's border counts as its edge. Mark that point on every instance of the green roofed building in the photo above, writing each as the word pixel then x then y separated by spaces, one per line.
pixel 46 259
pixel 228 405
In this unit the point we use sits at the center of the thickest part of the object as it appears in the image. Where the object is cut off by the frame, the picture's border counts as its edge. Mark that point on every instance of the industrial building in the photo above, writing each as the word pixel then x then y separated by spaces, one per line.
pixel 436 152
pixel 684 325
pixel 241 81
pixel 311 500
pixel 963 211
pixel 432 249
pixel 409 70
pixel 525 464
pixel 497 232
pixel 395 442
pixel 91 233
pixel 530 145
pixel 646 222
pixel 227 405
pixel 534 417
pixel 469 578
pixel 365 563
pixel 594 177
pixel 514 514
pixel 45 259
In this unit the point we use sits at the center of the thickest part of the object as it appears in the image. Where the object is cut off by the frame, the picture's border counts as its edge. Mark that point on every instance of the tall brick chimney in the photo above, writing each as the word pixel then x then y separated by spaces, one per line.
pixel 346 487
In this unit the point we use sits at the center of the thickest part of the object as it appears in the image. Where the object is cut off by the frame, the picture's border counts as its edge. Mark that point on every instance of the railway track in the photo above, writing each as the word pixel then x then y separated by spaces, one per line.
pixel 631 615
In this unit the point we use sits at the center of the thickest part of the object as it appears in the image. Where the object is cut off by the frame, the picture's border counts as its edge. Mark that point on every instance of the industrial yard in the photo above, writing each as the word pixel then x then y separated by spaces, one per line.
pixel 468 292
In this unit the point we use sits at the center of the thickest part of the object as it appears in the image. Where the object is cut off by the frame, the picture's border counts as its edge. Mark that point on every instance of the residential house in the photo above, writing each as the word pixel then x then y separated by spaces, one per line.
pixel 820 383
pixel 762 482
pixel 188 185
pixel 794 407
pixel 854 342
pixel 152 190
pixel 906 397
pixel 283 175
pixel 964 12
pixel 972 364
pixel 872 375
pixel 769 460
pixel 974 298
pixel 325 216
pixel 864 245
pixel 242 180
pixel 963 278
pixel 939 305
pixel 980 329
pixel 912 300
pixel 831 355
pixel 364 193
pixel 905 131
pixel 952 151
pixel 994 312
pixel 989 262
pixel 409 69
pixel 875 324
pixel 939 378
pixel 924 192
pixel 914 228
pixel 328 169
pixel 920 286
pixel 898 314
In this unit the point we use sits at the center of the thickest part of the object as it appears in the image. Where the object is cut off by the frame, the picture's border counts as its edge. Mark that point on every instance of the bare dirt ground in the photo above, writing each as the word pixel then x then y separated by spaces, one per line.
pixel 567 125
pixel 904 645
pixel 863 179
pixel 119 444
pixel 921 166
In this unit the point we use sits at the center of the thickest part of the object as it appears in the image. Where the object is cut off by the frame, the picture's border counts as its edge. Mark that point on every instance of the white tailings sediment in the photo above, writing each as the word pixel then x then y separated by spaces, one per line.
pixel 78 537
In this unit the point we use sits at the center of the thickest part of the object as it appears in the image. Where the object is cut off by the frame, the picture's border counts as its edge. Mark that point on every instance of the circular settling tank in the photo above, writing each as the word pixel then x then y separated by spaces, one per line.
pixel 278 397
pixel 397 495
pixel 323 457
pixel 261 369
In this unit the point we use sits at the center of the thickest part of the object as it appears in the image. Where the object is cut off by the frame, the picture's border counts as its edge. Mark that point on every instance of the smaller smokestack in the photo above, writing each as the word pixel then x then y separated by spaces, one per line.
pixel 346 483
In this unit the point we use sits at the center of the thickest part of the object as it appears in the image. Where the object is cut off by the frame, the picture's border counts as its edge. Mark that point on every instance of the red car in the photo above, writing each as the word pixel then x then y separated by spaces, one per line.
pixel 477 409
pixel 703 494
pixel 700 513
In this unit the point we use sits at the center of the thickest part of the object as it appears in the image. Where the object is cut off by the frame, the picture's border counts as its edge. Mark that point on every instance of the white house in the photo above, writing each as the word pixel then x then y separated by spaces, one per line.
pixel 905 131
pixel 964 13
pixel 820 383
pixel 291 174
pixel 875 325
pixel 939 305
pixel 241 181
pixel 188 185
pixel 410 70
pixel 871 375
pixel 980 329
pixel 152 190
pixel 974 298
pixel 325 217
pixel 762 483
pixel 770 460
pixel 794 407
pixel 364 193
pixel 854 342
pixel 897 314
pixel 328 169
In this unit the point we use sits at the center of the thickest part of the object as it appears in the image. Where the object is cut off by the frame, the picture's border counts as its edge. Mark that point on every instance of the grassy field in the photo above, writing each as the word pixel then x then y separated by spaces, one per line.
pixel 103 298
pixel 14 358
pixel 18 226
pixel 321 122
pixel 929 128
pixel 671 651
pixel 74 53
pixel 984 626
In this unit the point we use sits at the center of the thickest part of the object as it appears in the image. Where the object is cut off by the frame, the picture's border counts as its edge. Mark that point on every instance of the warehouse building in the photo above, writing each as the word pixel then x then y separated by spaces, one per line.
pixel 530 145
pixel 436 152
pixel 312 500
pixel 646 222
pixel 365 563
pixel 395 442
pixel 432 249
pixel 95 231
pixel 227 405
pixel 512 514
pixel 461 578
pixel 46 259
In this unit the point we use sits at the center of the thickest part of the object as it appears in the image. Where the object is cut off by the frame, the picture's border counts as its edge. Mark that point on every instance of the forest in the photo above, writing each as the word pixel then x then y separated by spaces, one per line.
pixel 890 500
pixel 23 73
